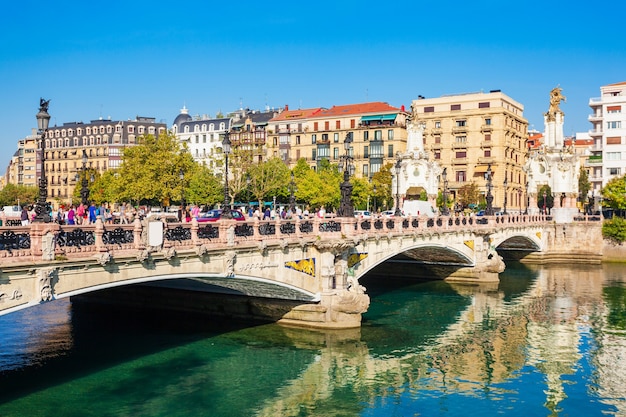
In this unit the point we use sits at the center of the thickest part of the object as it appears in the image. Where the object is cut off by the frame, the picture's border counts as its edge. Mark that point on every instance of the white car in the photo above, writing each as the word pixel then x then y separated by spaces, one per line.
pixel 362 214
pixel 388 213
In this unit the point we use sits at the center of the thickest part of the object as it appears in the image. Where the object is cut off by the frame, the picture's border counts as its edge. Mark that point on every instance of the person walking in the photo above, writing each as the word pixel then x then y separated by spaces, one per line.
pixel 71 214
pixel 24 216
pixel 92 213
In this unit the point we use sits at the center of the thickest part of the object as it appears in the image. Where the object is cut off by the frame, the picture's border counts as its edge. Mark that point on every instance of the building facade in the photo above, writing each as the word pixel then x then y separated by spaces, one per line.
pixel 608 153
pixel 101 141
pixel 471 133
pixel 378 133
pixel 203 136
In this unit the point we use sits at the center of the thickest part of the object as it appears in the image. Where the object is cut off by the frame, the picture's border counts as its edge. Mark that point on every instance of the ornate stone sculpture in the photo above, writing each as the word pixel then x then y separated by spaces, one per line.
pixel 555 100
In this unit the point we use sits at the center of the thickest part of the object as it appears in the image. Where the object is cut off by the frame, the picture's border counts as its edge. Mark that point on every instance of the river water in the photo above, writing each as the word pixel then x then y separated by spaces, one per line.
pixel 545 341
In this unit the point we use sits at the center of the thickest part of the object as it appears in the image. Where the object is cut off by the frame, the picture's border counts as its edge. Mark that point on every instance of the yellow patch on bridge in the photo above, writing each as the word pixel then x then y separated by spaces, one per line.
pixel 469 244
pixel 306 266
pixel 538 235
pixel 355 258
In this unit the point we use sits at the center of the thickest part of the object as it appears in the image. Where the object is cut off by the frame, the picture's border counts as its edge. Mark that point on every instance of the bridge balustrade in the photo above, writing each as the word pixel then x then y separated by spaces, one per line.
pixel 19 242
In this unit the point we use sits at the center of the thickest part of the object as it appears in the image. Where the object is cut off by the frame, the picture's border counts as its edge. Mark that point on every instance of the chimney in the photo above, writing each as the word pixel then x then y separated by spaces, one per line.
pixel 286 107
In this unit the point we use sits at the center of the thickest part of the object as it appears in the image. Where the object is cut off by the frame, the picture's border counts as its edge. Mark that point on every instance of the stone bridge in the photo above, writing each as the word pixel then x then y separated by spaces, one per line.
pixel 310 268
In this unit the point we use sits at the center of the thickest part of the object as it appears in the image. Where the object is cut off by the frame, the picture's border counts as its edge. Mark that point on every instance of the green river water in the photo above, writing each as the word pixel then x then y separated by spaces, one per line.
pixel 545 341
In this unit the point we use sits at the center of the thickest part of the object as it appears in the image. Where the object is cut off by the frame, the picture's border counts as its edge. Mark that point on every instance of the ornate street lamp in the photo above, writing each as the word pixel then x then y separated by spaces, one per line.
pixel 444 210
pixel 506 183
pixel 346 209
pixel 226 213
pixel 545 194
pixel 374 192
pixel 181 175
pixel 41 207
pixel 398 166
pixel 292 197
pixel 84 185
pixel 489 196
pixel 519 199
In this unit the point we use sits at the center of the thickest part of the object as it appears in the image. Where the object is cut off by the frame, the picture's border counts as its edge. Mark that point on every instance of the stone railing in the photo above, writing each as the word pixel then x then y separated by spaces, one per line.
pixel 51 241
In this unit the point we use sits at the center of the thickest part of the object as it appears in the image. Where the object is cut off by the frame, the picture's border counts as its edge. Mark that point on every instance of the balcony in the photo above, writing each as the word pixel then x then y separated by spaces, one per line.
pixel 595 132
pixel 485 160
pixel 486 128
pixel 594 160
pixel 459 129
pixel 594 117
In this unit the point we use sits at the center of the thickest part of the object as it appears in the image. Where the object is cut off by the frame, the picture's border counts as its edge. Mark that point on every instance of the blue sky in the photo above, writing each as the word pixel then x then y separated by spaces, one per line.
pixel 122 59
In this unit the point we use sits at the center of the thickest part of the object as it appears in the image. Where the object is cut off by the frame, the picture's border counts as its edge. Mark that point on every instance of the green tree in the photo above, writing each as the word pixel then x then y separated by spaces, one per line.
pixel 614 193
pixel 203 187
pixel 549 198
pixel 382 181
pixel 583 184
pixel 268 179
pixel 468 194
pixel 23 195
pixel 150 171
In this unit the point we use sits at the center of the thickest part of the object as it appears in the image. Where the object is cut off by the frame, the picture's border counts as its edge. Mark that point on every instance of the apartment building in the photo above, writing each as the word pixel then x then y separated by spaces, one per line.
pixel 468 133
pixel 203 136
pixel 378 133
pixel 608 152
pixel 101 141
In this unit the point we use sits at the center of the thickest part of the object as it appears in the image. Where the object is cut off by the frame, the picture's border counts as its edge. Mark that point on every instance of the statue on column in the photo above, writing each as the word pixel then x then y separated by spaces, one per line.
pixel 556 97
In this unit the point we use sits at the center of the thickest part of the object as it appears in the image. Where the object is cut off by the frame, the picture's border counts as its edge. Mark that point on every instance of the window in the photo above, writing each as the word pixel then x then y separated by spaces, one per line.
pixel 390 151
pixel 315 126
pixel 460 176
pixel 460 139
pixel 461 123
pixel 324 137
pixel 488 136
pixel 313 139
pixel 366 135
pixel 338 124
pixel 614 140
pixel 614 109
pixel 378 135
pixel 614 171
pixel 336 153
pixel 336 137
pixel 390 134
pixel 326 125
pixel 461 154
pixel 483 105
pixel 613 156
pixel 455 107
pixel 614 125
pixel 437 154
pixel 430 109
pixel 298 140
pixel 437 139
pixel 487 153
pixel 365 171
pixel 366 152
pixel 437 125
pixel 352 123
pixel 488 122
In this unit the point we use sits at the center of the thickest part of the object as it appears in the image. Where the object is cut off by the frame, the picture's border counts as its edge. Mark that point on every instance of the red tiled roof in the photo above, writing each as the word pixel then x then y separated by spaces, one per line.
pixel 296 114
pixel 622 83
pixel 361 108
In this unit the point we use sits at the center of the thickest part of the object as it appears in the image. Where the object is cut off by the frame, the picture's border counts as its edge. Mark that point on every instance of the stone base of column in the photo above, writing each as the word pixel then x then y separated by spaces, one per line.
pixel 563 214
pixel 340 310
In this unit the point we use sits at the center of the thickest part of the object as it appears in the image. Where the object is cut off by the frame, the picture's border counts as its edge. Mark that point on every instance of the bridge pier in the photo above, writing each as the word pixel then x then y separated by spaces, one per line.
pixel 343 299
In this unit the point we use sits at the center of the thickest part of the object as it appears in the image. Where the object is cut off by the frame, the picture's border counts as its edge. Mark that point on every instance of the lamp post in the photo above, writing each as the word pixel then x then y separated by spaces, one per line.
pixel 292 197
pixel 506 183
pixel 489 196
pixel 519 199
pixel 374 195
pixel 444 210
pixel 226 213
pixel 41 207
pixel 398 166
pixel 84 184
pixel 346 209
pixel 181 175
pixel 544 202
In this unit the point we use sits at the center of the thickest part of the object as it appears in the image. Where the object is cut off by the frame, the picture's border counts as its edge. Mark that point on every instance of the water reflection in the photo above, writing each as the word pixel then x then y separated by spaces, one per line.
pixel 544 341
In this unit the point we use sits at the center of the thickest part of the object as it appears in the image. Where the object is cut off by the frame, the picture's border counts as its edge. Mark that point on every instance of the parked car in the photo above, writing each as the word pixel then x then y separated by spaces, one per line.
pixel 215 215
pixel 362 214
pixel 388 213
pixel 480 213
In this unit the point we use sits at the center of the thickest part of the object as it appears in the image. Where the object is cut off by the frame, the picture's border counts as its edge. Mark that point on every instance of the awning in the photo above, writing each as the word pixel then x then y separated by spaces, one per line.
pixel 482 169
pixel 379 117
